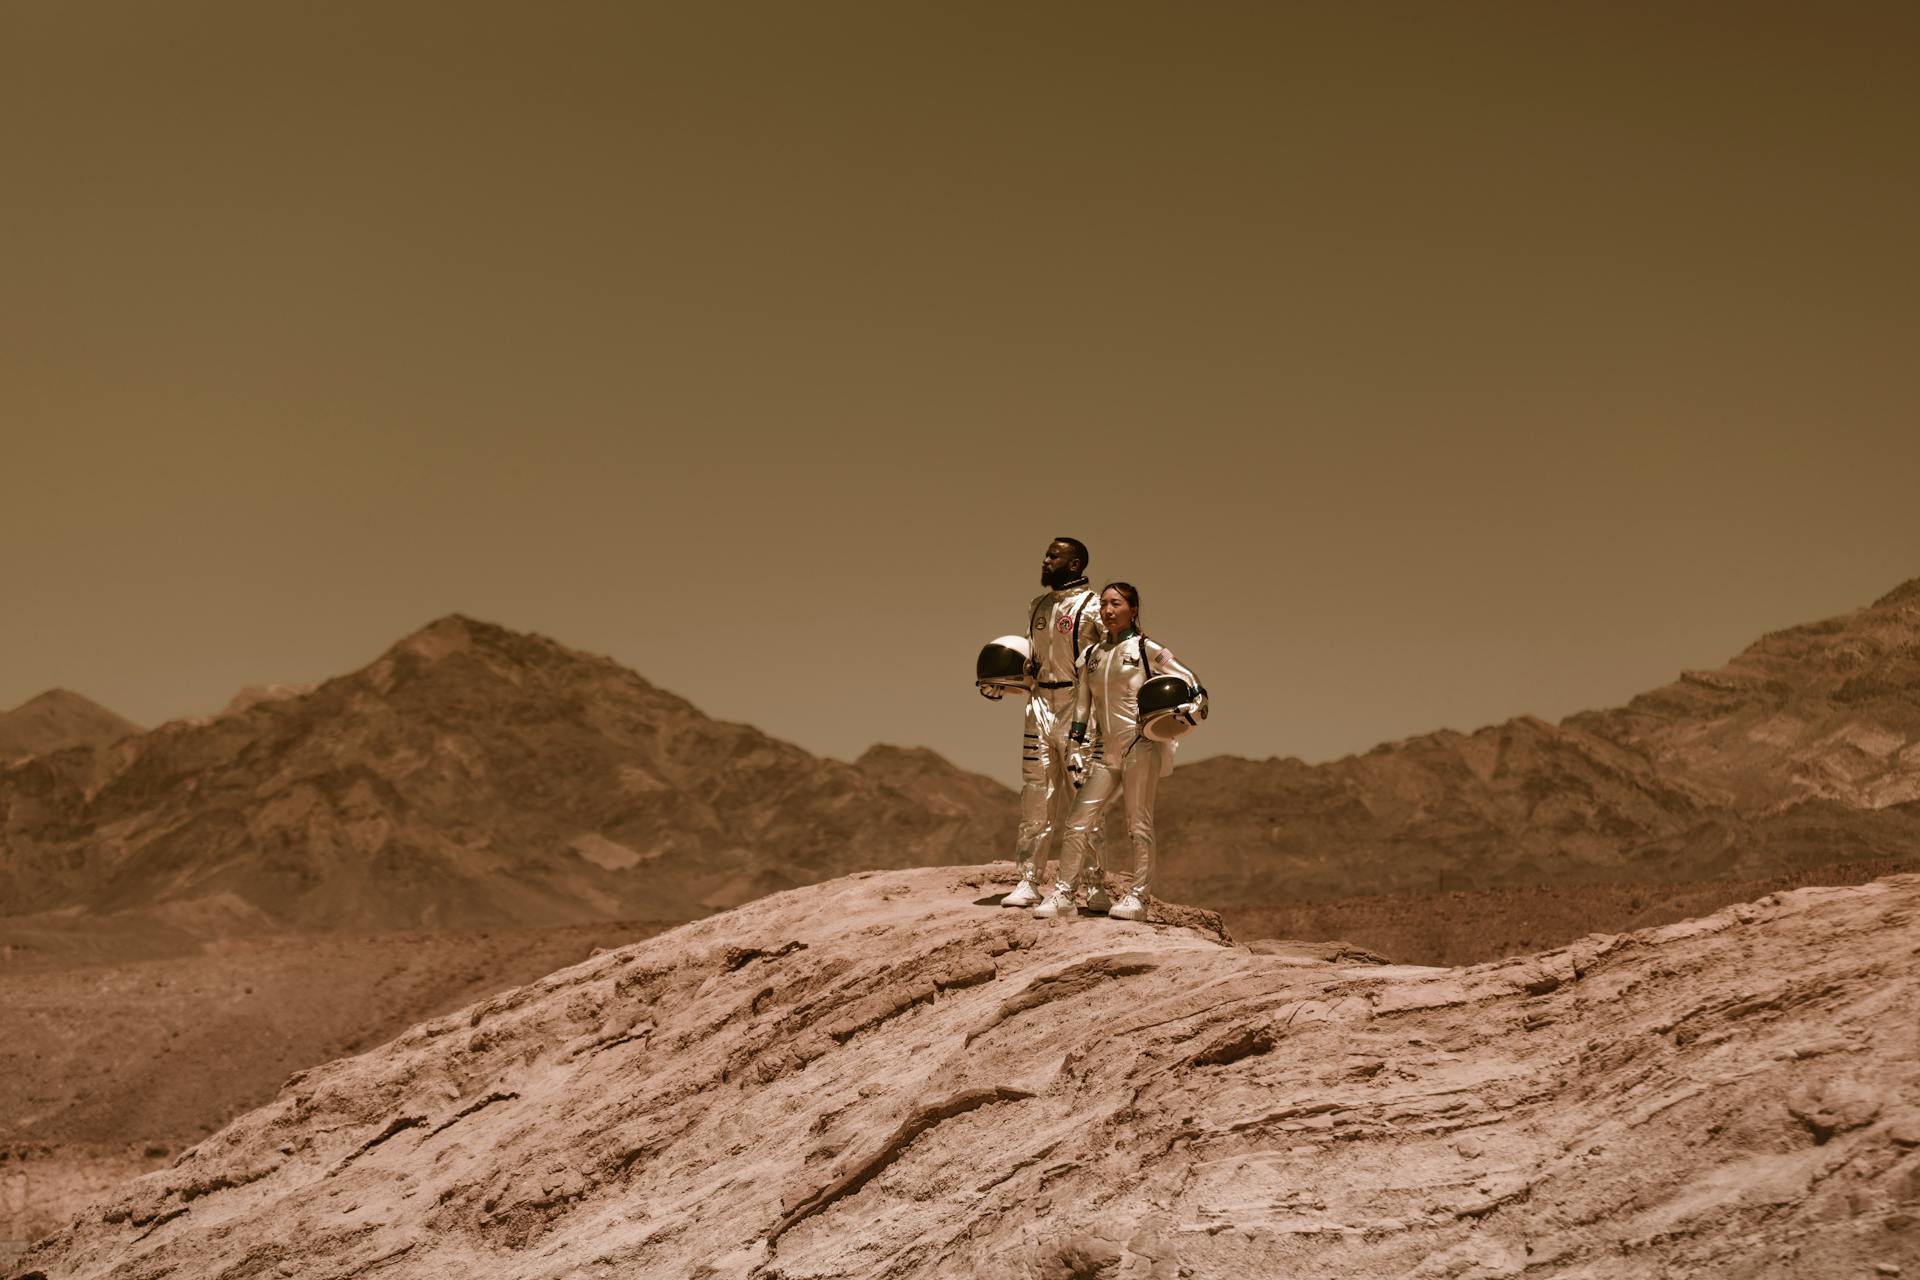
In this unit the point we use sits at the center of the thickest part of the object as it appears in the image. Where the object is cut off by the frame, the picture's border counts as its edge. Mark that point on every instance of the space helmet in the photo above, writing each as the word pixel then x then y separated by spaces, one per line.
pixel 1160 700
pixel 1004 663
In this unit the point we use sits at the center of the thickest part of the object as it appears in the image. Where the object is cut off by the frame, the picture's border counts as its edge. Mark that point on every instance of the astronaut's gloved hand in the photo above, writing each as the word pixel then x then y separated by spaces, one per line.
pixel 1077 766
pixel 1191 712
pixel 990 693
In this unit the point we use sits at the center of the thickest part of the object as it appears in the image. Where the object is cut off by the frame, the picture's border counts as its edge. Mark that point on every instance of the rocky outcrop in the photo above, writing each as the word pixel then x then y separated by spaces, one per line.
pixel 887 1076
pixel 255 694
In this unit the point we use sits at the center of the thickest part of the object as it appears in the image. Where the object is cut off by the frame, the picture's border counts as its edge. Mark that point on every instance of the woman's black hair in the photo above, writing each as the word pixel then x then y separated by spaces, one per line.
pixel 1132 594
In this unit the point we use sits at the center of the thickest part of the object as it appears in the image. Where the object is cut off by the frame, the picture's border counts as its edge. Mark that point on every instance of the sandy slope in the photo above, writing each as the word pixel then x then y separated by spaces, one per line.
pixel 877 1077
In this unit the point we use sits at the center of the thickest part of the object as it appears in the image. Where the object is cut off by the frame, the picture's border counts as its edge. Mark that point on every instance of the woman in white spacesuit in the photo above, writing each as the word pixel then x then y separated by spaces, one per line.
pixel 1106 697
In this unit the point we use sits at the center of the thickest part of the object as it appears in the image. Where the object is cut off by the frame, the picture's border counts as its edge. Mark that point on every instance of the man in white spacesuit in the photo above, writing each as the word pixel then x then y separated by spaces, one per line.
pixel 1061 621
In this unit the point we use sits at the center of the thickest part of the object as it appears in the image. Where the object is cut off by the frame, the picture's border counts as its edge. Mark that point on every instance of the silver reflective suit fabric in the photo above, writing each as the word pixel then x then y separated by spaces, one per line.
pixel 1107 693
pixel 1136 775
pixel 1045 791
pixel 1107 700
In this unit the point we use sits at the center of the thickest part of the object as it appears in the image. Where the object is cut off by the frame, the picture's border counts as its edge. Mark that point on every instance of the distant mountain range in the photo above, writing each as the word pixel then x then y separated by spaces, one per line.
pixel 474 776
pixel 56 720
pixel 470 777
pixel 1804 750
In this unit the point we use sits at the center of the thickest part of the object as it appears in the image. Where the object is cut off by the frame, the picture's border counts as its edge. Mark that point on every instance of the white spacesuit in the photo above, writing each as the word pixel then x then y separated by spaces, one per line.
pixel 1060 623
pixel 1107 703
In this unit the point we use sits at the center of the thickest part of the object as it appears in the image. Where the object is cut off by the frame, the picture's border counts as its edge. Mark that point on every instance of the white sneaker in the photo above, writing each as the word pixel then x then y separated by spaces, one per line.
pixel 1058 903
pixel 1098 901
pixel 1023 895
pixel 1128 908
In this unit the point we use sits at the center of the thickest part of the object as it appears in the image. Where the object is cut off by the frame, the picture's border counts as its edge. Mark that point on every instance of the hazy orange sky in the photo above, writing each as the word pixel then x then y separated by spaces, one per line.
pixel 1424 365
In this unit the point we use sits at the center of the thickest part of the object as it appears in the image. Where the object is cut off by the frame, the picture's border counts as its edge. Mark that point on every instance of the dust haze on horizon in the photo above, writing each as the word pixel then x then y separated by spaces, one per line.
pixel 1423 367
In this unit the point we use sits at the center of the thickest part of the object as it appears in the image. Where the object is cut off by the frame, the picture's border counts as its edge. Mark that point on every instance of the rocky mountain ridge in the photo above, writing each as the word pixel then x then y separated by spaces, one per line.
pixel 1803 750
pixel 473 776
pixel 469 777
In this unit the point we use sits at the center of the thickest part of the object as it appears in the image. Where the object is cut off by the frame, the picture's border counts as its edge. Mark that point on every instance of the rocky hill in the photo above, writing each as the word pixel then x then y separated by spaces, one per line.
pixel 887 1076
pixel 1802 751
pixel 474 777
pixel 470 777
pixel 1824 712
pixel 56 720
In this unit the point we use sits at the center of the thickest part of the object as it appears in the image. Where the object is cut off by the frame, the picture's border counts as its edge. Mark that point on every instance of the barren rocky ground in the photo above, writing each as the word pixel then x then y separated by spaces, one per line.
pixel 881 1076
pixel 129 1040
pixel 184 912
pixel 108 1070
pixel 1468 926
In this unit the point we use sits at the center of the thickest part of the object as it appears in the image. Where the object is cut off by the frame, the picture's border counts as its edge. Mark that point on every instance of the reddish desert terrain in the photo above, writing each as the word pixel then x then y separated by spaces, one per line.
pixel 109 1070
pixel 372 851
pixel 886 1075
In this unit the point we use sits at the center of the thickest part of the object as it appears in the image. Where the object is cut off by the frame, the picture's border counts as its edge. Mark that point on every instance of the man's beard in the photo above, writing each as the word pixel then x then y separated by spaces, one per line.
pixel 1057 578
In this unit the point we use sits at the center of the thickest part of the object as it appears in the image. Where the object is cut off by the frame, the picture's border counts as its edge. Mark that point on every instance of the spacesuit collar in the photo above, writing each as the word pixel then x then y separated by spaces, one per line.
pixel 1080 581
pixel 1128 634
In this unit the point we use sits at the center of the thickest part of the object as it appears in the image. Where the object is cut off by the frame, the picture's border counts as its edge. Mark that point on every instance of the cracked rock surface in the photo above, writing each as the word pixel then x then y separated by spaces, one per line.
pixel 881 1076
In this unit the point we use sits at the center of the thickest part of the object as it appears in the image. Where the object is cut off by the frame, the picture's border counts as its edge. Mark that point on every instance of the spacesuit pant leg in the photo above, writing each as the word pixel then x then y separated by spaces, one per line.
pixel 1096 864
pixel 1139 779
pixel 1059 781
pixel 1036 791
pixel 1082 821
